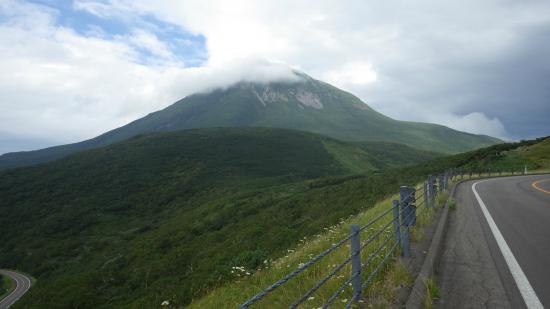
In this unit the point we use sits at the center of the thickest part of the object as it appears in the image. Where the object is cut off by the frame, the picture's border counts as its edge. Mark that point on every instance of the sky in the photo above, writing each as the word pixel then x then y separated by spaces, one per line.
pixel 71 70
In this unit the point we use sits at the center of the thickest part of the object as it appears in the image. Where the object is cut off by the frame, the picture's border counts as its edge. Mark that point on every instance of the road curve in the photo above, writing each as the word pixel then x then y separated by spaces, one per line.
pixel 497 253
pixel 23 284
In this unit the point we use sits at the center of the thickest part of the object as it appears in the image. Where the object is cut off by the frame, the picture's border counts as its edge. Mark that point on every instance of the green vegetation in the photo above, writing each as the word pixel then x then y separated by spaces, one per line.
pixel 380 294
pixel 229 296
pixel 166 216
pixel 452 204
pixel 6 286
pixel 382 291
pixel 533 154
pixel 309 105
pixel 432 293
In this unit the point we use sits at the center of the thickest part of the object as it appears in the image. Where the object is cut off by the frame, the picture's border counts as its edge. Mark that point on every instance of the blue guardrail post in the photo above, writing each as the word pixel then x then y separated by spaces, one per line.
pixel 396 232
pixel 405 220
pixel 431 190
pixel 408 195
pixel 426 194
pixel 355 262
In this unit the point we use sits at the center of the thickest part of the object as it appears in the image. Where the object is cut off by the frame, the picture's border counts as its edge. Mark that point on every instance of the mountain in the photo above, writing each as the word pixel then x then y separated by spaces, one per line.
pixel 165 215
pixel 308 105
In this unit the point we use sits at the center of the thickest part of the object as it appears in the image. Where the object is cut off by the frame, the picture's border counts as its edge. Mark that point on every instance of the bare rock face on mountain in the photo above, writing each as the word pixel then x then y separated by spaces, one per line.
pixel 306 104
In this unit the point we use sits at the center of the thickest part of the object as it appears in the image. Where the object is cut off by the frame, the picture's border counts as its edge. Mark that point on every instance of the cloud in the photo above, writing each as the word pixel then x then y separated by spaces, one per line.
pixel 149 42
pixel 356 73
pixel 102 9
pixel 405 59
pixel 476 66
pixel 473 122
pixel 59 86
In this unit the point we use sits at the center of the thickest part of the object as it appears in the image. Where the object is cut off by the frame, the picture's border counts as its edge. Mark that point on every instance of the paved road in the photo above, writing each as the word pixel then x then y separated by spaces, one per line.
pixel 23 285
pixel 497 250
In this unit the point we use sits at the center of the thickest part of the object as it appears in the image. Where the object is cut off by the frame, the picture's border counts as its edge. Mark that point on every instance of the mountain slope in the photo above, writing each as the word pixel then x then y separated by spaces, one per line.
pixel 307 105
pixel 164 216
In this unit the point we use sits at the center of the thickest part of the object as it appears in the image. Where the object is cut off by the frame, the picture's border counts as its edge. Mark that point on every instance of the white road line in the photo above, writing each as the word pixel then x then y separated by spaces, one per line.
pixel 525 288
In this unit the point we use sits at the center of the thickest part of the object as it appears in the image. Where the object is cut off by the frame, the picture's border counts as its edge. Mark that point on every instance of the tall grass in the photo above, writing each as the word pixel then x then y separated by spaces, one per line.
pixel 232 295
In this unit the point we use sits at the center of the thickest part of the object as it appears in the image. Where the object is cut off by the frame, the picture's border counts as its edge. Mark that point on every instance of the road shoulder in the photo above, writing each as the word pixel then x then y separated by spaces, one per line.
pixel 469 273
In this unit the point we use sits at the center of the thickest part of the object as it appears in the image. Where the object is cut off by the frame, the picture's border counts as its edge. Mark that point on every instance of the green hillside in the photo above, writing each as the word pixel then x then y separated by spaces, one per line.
pixel 165 216
pixel 309 105
pixel 533 154
pixel 507 157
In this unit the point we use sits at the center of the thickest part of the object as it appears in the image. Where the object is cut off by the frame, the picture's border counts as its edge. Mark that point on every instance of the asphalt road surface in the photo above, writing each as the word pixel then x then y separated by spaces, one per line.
pixel 497 249
pixel 23 285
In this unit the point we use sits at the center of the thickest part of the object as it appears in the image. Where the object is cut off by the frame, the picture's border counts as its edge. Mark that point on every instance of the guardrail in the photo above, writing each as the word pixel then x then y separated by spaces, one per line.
pixel 393 234
pixel 472 172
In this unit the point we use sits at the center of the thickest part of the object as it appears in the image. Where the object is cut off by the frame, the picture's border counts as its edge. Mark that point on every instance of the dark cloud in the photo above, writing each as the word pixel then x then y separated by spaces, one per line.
pixel 506 78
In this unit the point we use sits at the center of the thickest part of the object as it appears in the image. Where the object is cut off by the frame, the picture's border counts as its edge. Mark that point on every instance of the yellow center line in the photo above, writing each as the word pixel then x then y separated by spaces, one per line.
pixel 535 185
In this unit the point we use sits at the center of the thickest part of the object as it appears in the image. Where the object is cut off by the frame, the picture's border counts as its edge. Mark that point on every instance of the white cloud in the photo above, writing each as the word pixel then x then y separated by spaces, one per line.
pixel 474 123
pixel 356 73
pixel 150 42
pixel 101 9
pixel 59 86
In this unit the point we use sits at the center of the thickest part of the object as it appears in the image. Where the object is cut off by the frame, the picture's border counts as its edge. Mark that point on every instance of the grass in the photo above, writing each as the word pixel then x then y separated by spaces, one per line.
pixel 7 285
pixel 382 292
pixel 233 294
pixel 425 215
pixel 432 293
pixel 452 204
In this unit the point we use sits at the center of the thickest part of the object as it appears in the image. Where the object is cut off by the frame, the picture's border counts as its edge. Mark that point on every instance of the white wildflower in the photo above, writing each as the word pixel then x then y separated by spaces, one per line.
pixel 165 303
